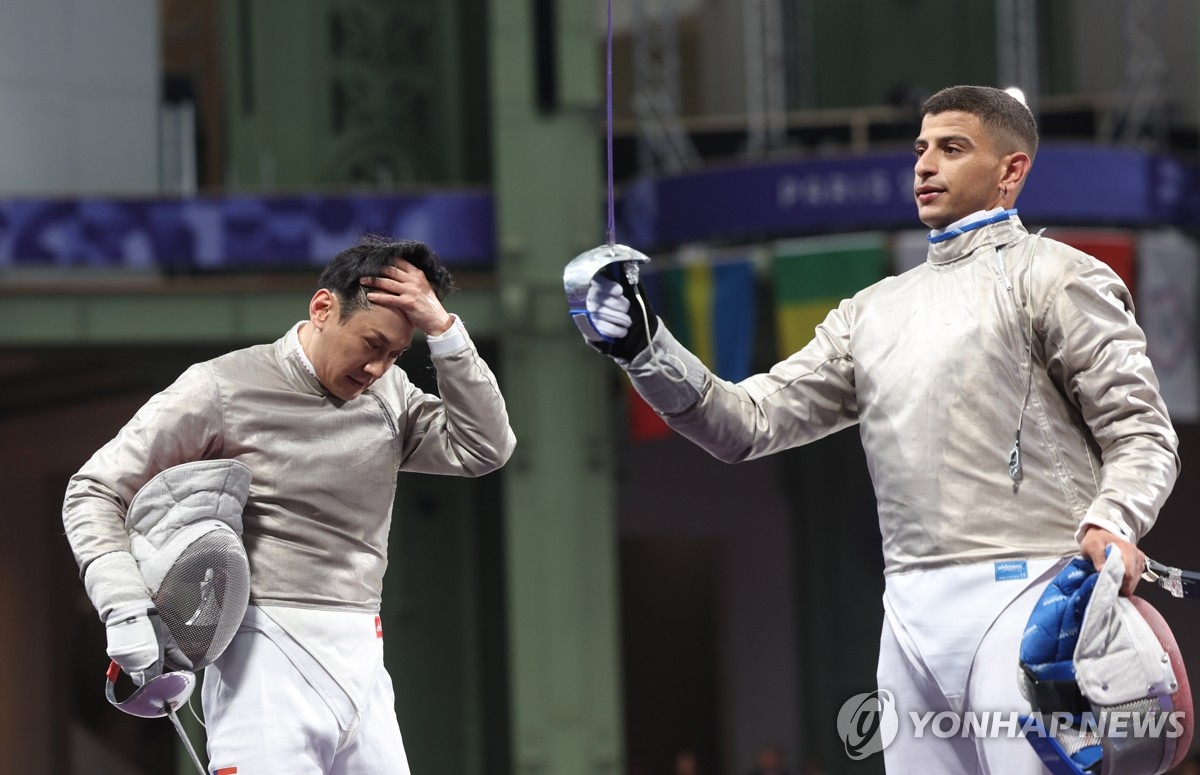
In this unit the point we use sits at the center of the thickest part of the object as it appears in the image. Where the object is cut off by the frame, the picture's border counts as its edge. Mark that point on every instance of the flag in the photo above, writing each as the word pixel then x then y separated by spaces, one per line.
pixel 709 302
pixel 1166 309
pixel 813 275
pixel 644 422
pixel 1112 246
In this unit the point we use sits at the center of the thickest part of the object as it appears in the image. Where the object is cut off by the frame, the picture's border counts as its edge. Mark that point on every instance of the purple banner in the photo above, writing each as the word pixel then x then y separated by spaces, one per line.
pixel 1069 185
pixel 237 232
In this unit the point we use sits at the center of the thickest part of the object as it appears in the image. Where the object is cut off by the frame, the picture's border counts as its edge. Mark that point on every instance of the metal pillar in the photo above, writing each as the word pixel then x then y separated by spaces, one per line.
pixel 766 107
pixel 559 492
pixel 800 68
pixel 663 142
pixel 1017 48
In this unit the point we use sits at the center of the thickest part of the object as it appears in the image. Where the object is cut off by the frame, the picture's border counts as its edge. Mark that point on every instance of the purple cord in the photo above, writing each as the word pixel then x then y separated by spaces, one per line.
pixel 612 222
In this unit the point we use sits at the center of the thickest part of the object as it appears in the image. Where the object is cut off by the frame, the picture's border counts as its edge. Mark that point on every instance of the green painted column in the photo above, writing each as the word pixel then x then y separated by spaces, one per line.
pixel 559 490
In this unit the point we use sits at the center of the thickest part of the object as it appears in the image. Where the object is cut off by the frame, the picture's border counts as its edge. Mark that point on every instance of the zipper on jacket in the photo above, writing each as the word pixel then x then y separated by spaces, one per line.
pixel 1014 308
pixel 1004 276
pixel 1015 470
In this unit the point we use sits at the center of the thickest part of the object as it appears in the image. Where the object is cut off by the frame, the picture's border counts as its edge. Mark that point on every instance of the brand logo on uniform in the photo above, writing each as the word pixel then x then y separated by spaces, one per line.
pixel 378 627
pixel 1010 570
pixel 226 771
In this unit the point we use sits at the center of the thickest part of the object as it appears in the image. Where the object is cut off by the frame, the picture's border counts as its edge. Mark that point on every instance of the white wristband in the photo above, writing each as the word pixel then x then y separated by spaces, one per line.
pixel 112 581
pixel 453 338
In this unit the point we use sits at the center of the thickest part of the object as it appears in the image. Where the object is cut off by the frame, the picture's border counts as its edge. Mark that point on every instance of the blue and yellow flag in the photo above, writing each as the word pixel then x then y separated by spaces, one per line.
pixel 711 309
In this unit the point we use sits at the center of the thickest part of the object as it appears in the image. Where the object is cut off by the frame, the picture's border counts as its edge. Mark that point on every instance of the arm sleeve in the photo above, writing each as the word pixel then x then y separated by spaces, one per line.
pixel 465 431
pixel 180 424
pixel 1097 352
pixel 804 398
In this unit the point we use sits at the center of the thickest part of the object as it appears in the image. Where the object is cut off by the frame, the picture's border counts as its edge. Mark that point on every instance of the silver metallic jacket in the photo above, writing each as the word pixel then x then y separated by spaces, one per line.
pixel 324 471
pixel 936 369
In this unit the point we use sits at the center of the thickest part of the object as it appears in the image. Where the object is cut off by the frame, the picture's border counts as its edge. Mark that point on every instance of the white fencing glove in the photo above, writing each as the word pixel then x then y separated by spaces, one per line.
pixel 133 640
pixel 608 308
pixel 616 313
pixel 135 633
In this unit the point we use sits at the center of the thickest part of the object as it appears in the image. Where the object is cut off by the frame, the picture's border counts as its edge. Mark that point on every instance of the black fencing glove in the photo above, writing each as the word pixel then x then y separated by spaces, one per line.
pixel 615 312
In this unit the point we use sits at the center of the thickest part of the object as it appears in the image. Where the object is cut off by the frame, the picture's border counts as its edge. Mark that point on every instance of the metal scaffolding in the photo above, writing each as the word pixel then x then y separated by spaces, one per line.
pixel 800 67
pixel 1138 110
pixel 766 92
pixel 663 143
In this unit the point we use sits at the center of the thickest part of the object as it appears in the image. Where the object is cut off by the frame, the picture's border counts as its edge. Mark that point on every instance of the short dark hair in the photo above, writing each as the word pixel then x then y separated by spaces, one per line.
pixel 368 258
pixel 1003 116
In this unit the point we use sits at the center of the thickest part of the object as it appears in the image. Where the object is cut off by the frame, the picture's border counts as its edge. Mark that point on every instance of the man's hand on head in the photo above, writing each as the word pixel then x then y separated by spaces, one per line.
pixel 403 287
pixel 1093 544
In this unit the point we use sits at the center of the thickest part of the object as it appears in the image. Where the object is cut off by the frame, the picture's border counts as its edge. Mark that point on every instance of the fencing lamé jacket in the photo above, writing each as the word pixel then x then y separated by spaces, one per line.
pixel 935 367
pixel 324 470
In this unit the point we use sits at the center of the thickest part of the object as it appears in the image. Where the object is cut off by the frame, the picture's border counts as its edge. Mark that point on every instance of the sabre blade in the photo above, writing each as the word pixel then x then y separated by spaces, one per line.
pixel 187 743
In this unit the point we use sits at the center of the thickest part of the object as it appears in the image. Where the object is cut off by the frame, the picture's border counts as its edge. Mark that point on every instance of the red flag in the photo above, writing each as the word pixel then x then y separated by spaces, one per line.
pixel 1113 247
pixel 644 422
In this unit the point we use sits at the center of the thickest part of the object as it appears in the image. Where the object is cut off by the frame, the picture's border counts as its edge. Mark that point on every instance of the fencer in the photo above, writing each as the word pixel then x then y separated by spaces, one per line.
pixel 1010 417
pixel 324 419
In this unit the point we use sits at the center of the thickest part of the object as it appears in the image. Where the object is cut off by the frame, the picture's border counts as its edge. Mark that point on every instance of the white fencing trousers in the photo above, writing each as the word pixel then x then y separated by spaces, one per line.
pixel 987 684
pixel 271 707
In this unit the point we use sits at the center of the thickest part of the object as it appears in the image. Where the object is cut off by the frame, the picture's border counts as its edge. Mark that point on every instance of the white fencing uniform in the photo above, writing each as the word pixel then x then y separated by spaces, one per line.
pixel 948 663
pixel 329 682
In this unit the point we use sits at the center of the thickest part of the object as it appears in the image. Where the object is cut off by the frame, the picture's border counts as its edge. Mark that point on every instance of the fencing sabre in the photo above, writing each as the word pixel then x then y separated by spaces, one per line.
pixel 1180 583
pixel 159 696
pixel 578 275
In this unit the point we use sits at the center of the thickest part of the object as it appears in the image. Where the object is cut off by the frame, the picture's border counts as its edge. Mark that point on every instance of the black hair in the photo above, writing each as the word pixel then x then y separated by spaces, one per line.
pixel 368 258
pixel 1002 115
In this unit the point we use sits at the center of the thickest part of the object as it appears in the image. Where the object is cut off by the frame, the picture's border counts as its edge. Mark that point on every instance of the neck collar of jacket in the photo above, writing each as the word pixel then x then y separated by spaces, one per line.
pixel 1000 229
pixel 289 352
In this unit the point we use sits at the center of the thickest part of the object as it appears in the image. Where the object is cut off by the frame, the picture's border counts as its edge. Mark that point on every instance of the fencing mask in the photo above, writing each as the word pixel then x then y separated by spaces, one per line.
pixel 1104 676
pixel 185 534
pixel 185 528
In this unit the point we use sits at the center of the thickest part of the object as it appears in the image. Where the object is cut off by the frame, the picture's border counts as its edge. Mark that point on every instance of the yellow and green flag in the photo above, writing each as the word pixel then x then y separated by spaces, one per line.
pixel 813 275
pixel 711 309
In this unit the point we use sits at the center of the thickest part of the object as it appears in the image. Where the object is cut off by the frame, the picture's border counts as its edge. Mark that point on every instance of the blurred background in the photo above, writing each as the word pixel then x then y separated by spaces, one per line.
pixel 174 174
